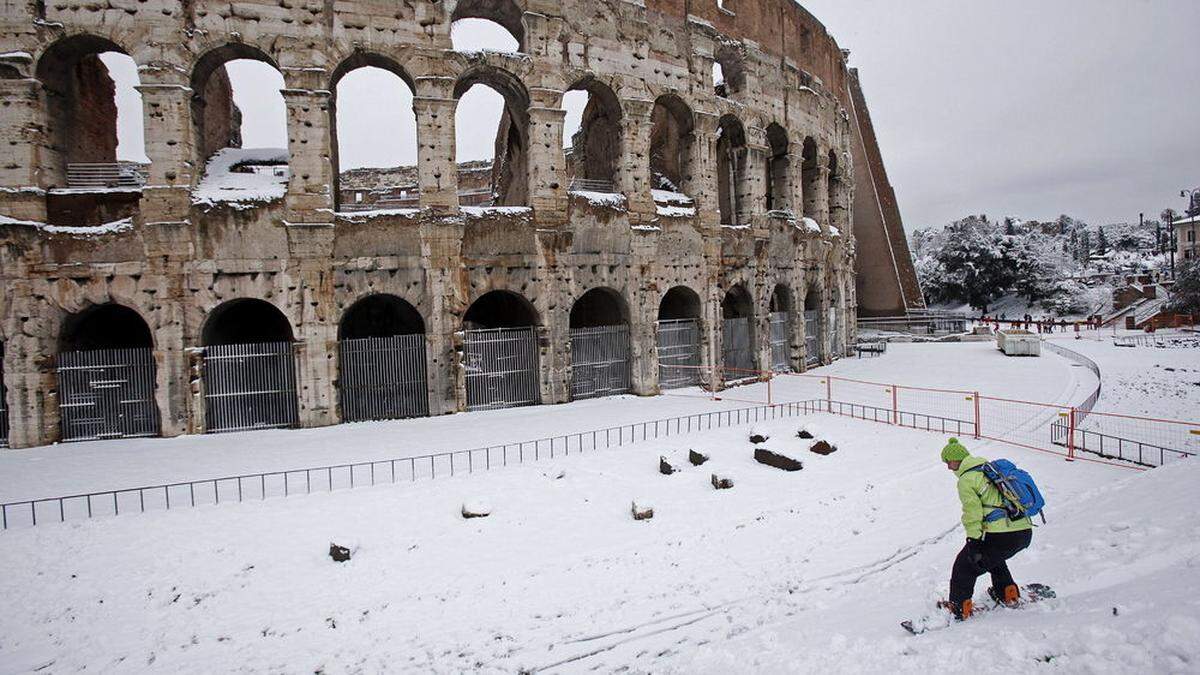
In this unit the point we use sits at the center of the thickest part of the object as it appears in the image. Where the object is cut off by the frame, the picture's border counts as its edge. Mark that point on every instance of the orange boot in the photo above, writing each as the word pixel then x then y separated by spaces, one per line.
pixel 961 612
pixel 1009 596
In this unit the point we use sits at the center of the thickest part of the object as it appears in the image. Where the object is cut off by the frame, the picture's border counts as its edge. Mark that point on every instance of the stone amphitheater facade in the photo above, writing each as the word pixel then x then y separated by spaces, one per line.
pixel 786 194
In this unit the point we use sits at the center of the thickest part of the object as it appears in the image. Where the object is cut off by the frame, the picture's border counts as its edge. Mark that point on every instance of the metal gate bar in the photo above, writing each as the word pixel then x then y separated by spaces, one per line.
pixel 812 337
pixel 780 359
pixel 3 404
pixel 678 353
pixel 250 386
pixel 107 393
pixel 736 349
pixel 501 367
pixel 383 378
pixel 599 361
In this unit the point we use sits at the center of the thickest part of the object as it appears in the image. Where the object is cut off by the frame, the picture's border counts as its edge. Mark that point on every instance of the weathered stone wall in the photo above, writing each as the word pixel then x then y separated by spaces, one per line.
pixel 179 261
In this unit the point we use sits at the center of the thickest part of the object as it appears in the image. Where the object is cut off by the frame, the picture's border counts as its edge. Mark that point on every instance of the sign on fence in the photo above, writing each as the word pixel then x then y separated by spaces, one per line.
pixel 678 353
pixel 383 378
pixel 501 367
pixel 250 386
pixel 599 361
pixel 107 393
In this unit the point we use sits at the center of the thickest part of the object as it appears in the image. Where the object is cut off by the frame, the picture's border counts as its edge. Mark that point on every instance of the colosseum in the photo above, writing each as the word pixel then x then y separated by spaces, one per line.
pixel 694 232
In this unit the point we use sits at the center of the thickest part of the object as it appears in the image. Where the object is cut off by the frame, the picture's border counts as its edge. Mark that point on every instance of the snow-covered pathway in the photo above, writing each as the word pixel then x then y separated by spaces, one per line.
pixel 74 468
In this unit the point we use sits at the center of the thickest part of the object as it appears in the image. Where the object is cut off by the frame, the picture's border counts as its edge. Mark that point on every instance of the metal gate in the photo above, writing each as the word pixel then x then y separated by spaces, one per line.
pixel 599 361
pixel 835 338
pixel 107 393
pixel 383 378
pixel 501 367
pixel 678 353
pixel 780 358
pixel 250 386
pixel 812 337
pixel 736 349
pixel 3 405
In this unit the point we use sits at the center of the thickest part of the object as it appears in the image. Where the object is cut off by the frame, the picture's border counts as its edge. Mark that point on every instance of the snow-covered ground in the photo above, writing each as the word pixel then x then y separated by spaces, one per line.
pixel 808 571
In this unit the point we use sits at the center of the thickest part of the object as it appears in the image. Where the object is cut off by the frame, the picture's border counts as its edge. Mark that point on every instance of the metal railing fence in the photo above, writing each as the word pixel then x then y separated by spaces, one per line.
pixel 1158 340
pixel 599 361
pixel 779 340
pixel 107 393
pixel 591 185
pixel 258 486
pixel 105 175
pixel 383 378
pixel 737 348
pixel 250 386
pixel 812 337
pixel 678 345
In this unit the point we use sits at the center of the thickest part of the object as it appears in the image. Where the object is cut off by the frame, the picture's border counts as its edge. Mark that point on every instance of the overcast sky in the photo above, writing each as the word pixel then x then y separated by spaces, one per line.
pixel 1007 107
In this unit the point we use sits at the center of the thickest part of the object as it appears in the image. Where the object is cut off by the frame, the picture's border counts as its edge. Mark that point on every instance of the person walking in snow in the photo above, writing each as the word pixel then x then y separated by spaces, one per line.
pixel 990 543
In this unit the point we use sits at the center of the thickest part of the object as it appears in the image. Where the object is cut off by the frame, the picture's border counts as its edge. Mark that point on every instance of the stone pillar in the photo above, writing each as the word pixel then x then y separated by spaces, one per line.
pixel 633 175
pixel 702 186
pixel 309 197
pixel 821 199
pixel 546 165
pixel 21 131
pixel 441 247
pixel 32 399
pixel 437 172
pixel 166 198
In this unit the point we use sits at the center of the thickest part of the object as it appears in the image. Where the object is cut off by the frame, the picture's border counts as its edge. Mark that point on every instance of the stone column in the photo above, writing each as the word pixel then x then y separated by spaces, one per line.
pixel 437 172
pixel 309 199
pixel 546 165
pixel 21 131
pixel 702 186
pixel 441 248
pixel 633 176
pixel 166 197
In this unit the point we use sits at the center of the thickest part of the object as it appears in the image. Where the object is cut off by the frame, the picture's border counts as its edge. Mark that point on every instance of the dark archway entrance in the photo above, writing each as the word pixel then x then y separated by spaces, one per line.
pixel 106 375
pixel 500 352
pixel 381 360
pixel 781 328
pixel 599 344
pixel 812 328
pixel 249 367
pixel 737 334
pixel 679 339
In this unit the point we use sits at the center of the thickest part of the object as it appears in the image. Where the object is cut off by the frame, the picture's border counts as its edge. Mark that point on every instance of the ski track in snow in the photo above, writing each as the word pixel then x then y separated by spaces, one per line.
pixel 786 572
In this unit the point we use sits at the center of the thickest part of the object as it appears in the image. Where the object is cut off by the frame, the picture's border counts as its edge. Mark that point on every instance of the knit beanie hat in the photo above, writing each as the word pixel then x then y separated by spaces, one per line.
pixel 954 451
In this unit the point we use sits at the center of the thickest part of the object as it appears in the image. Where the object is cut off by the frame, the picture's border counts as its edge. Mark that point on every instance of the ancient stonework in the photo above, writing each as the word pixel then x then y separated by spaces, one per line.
pixel 699 203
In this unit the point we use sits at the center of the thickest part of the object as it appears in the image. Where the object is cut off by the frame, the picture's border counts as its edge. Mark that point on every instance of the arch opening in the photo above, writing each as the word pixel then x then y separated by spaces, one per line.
pixel 106 375
pixel 731 170
pixel 599 307
pixel 781 299
pixel 737 303
pixel 245 321
pixel 492 139
pixel 592 136
pixel 836 208
pixel 671 137
pixel 729 71
pixel 810 171
pixel 379 316
pixel 678 339
pixel 779 168
pixel 107 326
pixel 813 325
pixel 680 302
pixel 737 334
pixel 500 352
pixel 599 344
pixel 373 170
pixel 495 25
pixel 500 309
pixel 780 326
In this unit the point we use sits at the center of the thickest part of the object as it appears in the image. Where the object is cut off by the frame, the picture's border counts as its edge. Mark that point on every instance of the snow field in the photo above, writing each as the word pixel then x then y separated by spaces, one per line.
pixel 796 571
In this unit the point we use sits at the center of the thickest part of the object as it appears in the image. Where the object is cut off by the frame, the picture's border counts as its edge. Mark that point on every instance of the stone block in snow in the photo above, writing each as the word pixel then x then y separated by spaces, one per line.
pixel 697 458
pixel 665 467
pixel 476 509
pixel 642 509
pixel 759 438
pixel 338 553
pixel 722 481
pixel 822 447
pixel 777 460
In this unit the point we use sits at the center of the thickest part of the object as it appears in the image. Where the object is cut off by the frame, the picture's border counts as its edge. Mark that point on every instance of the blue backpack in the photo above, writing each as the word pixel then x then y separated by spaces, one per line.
pixel 1019 493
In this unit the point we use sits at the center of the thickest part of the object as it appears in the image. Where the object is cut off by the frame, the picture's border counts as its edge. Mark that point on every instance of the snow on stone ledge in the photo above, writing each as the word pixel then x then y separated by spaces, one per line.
pixel 675 211
pixel 221 184
pixel 369 214
pixel 834 232
pixel 614 200
pixel 485 211
pixel 809 225
pixel 669 197
pixel 115 227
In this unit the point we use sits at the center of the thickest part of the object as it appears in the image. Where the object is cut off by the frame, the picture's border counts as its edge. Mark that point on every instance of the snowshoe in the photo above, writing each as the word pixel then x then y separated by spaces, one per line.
pixel 946 617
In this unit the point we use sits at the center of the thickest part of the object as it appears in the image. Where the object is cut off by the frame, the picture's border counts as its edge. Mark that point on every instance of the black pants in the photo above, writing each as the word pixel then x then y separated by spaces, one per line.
pixel 990 556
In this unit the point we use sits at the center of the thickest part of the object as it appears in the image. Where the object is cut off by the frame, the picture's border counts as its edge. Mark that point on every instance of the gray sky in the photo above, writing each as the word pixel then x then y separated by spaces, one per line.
pixel 1006 107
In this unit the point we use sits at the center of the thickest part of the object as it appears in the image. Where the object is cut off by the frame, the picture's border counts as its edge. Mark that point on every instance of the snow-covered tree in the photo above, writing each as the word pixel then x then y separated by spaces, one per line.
pixel 1185 296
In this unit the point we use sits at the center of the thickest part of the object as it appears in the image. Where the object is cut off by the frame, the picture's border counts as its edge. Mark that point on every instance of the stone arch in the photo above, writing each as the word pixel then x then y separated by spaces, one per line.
pixel 407 121
pixel 810 170
pixel 216 119
pixel 679 302
pixel 380 315
pixel 245 321
pixel 80 105
pixel 737 303
pixel 814 324
pixel 506 13
pixel 601 306
pixel 731 60
pixel 834 189
pixel 731 170
pixel 781 298
pixel 739 353
pixel 779 169
pixel 596 148
pixel 672 127
pixel 510 167
pixel 104 326
pixel 500 309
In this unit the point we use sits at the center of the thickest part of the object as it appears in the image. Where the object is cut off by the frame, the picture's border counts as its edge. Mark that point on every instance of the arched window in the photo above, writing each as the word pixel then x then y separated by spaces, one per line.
pixel 492 138
pixel 374 170
pixel 93 115
pixel 813 326
pixel 599 344
pixel 779 170
pixel 729 70
pixel 671 137
pixel 592 136
pixel 107 326
pixel 678 347
pixel 731 171
pixel 679 303
pixel 378 316
pixel 245 321
pixel 811 175
pixel 836 208
pixel 500 309
pixel 599 307
pixel 494 25
pixel 240 123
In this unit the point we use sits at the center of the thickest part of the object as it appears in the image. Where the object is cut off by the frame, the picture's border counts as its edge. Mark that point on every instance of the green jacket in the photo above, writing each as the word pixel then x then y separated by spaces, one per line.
pixel 979 497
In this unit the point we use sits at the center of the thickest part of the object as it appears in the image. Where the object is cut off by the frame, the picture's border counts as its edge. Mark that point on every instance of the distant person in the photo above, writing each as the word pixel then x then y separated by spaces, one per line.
pixel 991 540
